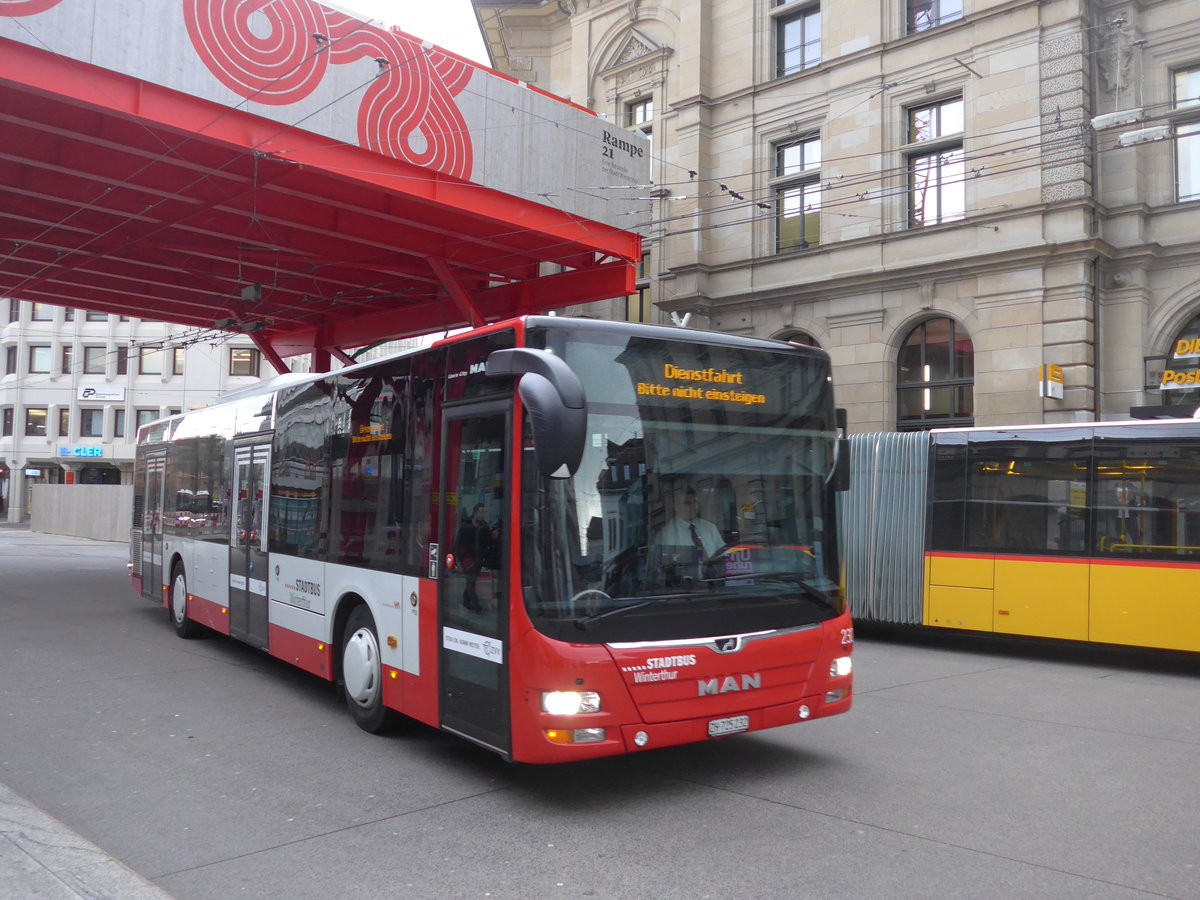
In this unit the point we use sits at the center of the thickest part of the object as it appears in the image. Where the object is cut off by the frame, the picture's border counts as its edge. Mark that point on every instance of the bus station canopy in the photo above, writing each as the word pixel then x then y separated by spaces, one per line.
pixel 314 222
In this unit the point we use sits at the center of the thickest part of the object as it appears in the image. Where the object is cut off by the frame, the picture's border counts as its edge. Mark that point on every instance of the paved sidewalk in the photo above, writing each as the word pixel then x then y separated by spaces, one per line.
pixel 41 857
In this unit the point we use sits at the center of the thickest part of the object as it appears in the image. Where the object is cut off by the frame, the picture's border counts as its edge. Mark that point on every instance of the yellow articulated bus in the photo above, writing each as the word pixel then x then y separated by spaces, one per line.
pixel 1086 532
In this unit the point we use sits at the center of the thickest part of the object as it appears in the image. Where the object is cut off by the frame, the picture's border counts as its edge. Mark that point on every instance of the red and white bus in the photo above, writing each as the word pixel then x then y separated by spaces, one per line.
pixel 557 538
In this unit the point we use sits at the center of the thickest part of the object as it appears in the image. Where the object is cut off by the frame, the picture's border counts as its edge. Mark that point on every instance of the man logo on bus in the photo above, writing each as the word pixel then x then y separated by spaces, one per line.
pixel 730 683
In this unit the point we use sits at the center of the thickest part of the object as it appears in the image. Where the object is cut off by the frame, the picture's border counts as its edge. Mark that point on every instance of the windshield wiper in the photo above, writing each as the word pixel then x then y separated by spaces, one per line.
pixel 583 622
pixel 795 578
pixel 809 589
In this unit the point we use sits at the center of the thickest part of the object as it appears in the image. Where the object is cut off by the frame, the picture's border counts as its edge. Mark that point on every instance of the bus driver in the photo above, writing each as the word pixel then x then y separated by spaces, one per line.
pixel 687 528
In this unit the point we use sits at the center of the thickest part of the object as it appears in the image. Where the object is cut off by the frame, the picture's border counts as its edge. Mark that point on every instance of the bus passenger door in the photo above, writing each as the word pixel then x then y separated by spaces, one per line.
pixel 473 613
pixel 152 528
pixel 248 545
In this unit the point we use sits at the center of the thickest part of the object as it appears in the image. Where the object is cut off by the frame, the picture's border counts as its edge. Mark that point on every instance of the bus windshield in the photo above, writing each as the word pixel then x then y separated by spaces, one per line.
pixel 704 503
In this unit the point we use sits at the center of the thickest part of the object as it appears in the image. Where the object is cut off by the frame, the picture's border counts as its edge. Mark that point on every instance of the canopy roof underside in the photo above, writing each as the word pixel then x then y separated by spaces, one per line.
pixel 121 196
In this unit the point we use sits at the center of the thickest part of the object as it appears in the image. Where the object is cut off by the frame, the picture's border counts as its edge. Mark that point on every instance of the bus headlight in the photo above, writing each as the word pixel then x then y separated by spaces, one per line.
pixel 570 703
pixel 840 666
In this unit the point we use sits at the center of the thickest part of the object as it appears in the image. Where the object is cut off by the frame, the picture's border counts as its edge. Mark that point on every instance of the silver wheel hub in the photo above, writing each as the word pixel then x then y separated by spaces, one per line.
pixel 360 668
pixel 179 600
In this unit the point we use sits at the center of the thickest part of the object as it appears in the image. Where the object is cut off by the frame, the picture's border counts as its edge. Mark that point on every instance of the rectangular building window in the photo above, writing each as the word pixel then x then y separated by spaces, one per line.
pixel 926 14
pixel 39 359
pixel 42 312
pixel 637 305
pixel 35 421
pixel 67 352
pixel 6 428
pixel 243 361
pixel 95 317
pixel 91 423
pixel 64 421
pixel 639 114
pixel 118 423
pixel 797 187
pixel 150 361
pixel 936 170
pixel 797 37
pixel 123 361
pixel 146 416
pixel 94 360
pixel 10 360
pixel 14 310
pixel 1187 135
pixel 177 355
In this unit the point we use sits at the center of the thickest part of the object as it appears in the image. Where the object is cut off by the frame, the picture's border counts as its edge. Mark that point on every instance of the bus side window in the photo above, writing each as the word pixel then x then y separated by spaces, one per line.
pixel 947 519
pixel 1148 499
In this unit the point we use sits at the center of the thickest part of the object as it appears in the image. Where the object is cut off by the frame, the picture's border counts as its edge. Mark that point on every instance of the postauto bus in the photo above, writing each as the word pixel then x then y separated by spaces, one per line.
pixel 1086 532
pixel 556 538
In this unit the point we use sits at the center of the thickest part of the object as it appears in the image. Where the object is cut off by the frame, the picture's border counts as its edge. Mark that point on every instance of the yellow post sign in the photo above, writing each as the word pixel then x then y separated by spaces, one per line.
pixel 1186 349
pixel 1050 381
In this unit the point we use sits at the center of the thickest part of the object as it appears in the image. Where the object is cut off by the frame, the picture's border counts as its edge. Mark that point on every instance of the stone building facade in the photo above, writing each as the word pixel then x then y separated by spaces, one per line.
pixel 955 198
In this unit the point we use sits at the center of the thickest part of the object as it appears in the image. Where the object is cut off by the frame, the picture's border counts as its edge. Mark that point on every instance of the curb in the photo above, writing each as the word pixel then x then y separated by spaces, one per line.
pixel 42 857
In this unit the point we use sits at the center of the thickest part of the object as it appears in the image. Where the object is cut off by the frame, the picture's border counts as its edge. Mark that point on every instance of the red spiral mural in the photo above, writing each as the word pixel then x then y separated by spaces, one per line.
pixel 265 50
pixel 26 7
pixel 260 49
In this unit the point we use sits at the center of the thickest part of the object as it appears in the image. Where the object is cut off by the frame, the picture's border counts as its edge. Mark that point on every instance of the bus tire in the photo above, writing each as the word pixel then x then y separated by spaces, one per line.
pixel 362 672
pixel 177 607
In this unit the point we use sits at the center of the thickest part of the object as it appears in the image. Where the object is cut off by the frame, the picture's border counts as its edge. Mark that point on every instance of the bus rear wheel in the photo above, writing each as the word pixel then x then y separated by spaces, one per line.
pixel 362 673
pixel 184 627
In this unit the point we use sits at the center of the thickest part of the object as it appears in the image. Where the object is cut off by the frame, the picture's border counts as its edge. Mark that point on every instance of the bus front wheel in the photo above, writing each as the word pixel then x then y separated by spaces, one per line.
pixel 184 627
pixel 362 672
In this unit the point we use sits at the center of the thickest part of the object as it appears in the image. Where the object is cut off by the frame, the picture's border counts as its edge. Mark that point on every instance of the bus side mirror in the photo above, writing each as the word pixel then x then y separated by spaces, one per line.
pixel 841 469
pixel 554 397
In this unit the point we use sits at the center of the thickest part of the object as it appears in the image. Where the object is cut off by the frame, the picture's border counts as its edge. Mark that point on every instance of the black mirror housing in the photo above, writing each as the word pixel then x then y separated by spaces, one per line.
pixel 841 467
pixel 554 397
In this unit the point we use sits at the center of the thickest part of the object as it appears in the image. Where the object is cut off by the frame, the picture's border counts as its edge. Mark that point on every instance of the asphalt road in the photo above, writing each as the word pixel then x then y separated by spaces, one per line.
pixel 967 768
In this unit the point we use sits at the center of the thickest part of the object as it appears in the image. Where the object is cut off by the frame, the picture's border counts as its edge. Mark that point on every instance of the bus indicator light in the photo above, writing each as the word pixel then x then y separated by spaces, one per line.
pixel 575 735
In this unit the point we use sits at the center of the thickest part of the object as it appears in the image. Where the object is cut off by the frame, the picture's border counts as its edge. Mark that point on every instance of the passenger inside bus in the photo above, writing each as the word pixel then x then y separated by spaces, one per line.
pixel 476 545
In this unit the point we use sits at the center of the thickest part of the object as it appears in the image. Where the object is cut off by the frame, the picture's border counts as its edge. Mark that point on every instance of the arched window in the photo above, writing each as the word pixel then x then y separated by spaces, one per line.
pixel 797 337
pixel 935 377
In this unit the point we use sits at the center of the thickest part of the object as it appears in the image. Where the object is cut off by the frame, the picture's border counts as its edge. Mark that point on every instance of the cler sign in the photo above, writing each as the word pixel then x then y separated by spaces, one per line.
pixel 81 452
